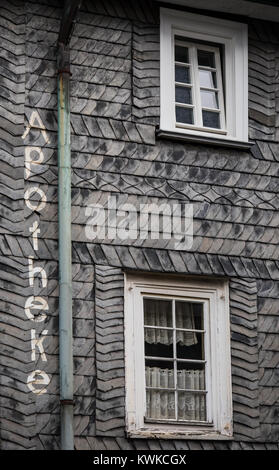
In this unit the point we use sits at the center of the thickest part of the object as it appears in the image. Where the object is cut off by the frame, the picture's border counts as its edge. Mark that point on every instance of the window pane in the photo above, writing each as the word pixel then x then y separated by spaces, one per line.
pixel 209 99
pixel 189 315
pixel 183 95
pixel 157 312
pixel 181 54
pixel 158 342
pixel 207 79
pixel 184 115
pixel 189 345
pixel 190 376
pixel 191 406
pixel 182 74
pixel 206 59
pixel 160 404
pixel 159 374
pixel 211 119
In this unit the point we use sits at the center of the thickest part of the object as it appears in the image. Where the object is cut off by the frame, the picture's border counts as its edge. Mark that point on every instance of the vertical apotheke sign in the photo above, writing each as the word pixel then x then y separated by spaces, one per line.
pixel 38 380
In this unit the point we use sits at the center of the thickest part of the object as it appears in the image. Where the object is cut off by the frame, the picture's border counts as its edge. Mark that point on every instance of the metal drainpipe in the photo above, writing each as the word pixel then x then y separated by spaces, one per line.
pixel 70 10
pixel 65 251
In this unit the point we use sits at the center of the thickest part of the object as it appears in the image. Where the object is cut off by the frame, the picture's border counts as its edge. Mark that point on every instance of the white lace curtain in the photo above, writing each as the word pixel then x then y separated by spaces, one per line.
pixel 158 313
pixel 160 404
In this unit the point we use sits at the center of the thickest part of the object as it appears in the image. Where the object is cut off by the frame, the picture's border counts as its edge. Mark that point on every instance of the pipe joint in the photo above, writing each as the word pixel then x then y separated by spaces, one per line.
pixel 67 402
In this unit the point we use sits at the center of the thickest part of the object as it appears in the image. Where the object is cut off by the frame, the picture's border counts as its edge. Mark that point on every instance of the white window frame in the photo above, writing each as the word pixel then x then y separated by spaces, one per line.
pixel 215 296
pixel 233 36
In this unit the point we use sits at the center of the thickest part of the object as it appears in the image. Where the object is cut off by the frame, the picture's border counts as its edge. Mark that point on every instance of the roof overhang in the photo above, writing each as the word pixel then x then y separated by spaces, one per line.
pixel 261 9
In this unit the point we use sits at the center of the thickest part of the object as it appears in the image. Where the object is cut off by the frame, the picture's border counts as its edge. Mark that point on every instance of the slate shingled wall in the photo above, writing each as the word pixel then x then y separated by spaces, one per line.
pixel 115 109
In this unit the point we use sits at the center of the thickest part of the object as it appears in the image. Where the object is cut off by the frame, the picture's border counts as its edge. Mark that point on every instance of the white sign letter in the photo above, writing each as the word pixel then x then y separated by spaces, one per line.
pixel 33 271
pixel 29 161
pixel 35 230
pixel 39 344
pixel 37 303
pixel 40 205
pixel 36 122
pixel 32 380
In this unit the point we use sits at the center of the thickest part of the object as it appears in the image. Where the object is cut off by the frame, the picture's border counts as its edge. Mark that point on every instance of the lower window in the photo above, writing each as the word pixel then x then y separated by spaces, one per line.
pixel 175 360
pixel 178 375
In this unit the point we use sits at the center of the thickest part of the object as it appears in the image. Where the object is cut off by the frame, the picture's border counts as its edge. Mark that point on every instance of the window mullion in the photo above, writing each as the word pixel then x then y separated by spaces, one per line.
pixel 196 86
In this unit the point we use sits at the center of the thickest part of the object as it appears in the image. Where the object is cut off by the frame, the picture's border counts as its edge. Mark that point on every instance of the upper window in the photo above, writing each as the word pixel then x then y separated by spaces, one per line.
pixel 177 358
pixel 203 76
pixel 199 95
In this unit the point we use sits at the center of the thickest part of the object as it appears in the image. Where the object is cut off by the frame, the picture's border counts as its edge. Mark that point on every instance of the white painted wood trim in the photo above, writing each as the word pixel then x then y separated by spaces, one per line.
pixel 216 294
pixel 233 37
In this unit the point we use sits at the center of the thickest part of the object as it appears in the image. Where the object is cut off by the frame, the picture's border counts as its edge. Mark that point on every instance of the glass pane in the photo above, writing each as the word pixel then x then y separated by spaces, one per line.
pixel 181 54
pixel 157 312
pixel 206 58
pixel 207 79
pixel 189 315
pixel 189 345
pixel 184 115
pixel 191 406
pixel 183 95
pixel 160 404
pixel 190 376
pixel 182 74
pixel 159 374
pixel 209 99
pixel 211 119
pixel 158 342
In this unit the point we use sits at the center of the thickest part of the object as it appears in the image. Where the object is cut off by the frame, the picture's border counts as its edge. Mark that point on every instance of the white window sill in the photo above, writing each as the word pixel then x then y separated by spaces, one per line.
pixel 215 141
pixel 180 432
